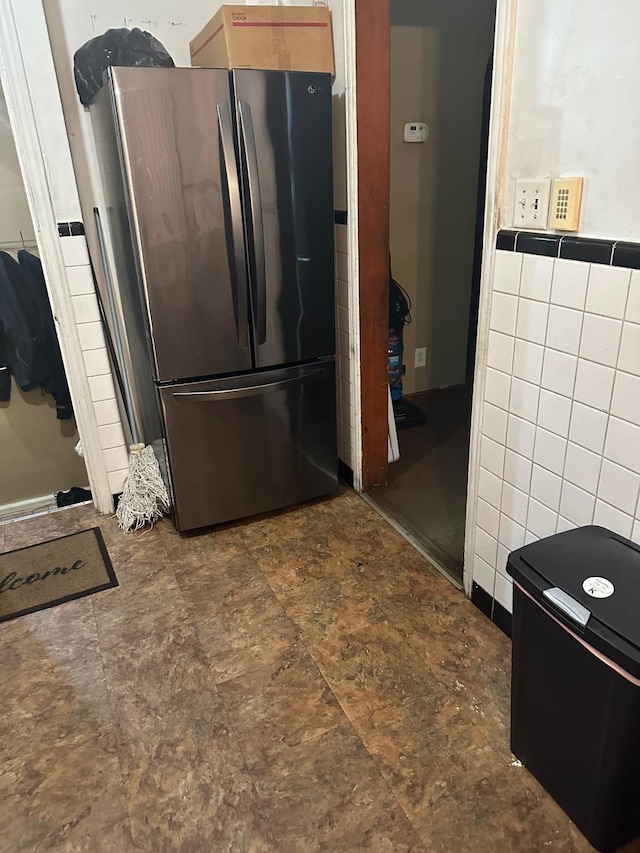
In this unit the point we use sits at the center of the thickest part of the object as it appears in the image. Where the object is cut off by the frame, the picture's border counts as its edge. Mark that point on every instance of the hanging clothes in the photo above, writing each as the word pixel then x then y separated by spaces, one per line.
pixel 22 350
pixel 29 347
pixel 56 380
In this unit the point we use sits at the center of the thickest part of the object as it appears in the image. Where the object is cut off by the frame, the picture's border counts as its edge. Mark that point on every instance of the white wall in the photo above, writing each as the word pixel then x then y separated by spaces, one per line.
pixel 574 108
pixel 15 217
pixel 38 63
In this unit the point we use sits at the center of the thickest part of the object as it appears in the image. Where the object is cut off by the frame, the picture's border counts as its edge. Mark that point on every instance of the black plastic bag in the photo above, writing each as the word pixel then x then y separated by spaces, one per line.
pixel 132 48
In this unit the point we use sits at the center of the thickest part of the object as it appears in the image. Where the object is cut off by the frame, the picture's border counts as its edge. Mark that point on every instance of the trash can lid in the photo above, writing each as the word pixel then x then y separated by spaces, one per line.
pixel 601 571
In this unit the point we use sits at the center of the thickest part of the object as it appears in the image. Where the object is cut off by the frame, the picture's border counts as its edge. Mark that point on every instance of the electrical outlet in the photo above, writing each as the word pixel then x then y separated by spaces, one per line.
pixel 421 357
pixel 532 203
pixel 565 211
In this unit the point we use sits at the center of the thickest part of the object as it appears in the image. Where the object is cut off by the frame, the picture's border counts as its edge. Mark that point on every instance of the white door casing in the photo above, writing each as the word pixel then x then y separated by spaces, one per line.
pixel 36 181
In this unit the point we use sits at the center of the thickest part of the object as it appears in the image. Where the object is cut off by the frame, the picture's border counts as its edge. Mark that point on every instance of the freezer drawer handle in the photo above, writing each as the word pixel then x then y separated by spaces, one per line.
pixel 251 391
pixel 571 608
pixel 237 263
pixel 257 227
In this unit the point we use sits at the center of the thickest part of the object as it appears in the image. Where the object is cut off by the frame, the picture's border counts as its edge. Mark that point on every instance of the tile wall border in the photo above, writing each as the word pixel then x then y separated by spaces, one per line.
pixel 611 253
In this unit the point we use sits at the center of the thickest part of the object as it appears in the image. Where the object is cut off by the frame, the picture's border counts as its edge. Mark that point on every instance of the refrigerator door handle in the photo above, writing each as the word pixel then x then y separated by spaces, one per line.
pixel 237 262
pixel 123 359
pixel 251 391
pixel 257 228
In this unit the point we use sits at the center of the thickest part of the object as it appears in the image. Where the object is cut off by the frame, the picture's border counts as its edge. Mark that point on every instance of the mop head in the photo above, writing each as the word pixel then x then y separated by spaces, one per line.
pixel 144 498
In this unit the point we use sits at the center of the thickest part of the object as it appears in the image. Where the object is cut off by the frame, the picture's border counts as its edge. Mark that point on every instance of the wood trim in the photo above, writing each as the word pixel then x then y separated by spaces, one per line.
pixel 351 114
pixel 373 59
pixel 36 182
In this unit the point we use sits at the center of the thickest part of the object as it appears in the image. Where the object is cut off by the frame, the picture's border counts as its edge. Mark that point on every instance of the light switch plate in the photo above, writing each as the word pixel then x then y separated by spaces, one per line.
pixel 531 209
pixel 421 357
pixel 565 209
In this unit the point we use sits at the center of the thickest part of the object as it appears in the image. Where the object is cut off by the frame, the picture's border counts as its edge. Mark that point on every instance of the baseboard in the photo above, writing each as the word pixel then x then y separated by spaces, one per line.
pixel 31 506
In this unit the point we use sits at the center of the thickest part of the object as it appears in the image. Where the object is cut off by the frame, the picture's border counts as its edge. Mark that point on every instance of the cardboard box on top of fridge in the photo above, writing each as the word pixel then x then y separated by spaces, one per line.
pixel 283 38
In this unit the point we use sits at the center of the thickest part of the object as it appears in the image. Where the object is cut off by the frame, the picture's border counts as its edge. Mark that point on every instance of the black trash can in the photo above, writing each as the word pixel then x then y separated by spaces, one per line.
pixel 575 706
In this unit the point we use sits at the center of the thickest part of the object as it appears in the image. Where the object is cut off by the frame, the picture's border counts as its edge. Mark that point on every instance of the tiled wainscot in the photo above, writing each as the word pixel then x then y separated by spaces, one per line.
pixel 94 351
pixel 560 444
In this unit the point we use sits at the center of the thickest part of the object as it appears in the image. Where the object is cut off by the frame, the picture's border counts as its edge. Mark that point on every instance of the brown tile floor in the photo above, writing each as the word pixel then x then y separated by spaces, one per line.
pixel 298 683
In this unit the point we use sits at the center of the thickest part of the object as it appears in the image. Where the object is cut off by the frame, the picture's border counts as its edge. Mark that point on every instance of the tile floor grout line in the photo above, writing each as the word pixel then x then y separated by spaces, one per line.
pixel 242 753
pixel 112 722
pixel 348 719
pixel 215 691
pixel 112 713
pixel 366 749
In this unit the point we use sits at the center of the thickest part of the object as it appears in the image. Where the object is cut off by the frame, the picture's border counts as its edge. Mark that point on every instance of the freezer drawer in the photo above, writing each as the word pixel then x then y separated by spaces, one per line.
pixel 250 444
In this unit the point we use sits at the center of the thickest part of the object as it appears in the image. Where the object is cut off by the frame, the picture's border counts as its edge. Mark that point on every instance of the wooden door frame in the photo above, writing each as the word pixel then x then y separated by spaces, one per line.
pixel 373 76
pixel 373 66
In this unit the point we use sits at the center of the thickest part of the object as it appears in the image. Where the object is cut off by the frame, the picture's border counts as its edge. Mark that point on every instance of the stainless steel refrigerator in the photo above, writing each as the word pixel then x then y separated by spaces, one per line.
pixel 217 244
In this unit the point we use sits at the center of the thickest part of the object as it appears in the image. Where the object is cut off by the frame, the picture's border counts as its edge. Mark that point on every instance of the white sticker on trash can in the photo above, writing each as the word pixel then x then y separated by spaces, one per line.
pixel 598 587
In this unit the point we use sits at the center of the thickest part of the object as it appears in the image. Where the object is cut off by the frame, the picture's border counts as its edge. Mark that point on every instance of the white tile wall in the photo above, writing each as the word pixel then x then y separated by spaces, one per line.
pixel 582 467
pixel 527 361
pixel 630 349
pixel 559 372
pixel 489 487
pixel 497 388
pixel 514 503
pixel 561 424
pixel 75 252
pixel 550 450
pixel 500 355
pixel 600 339
pixel 507 272
pixel 537 273
pixel 503 313
pixel 484 574
pixel 92 341
pixel 554 413
pixel 532 320
pixel 569 284
pixel 608 291
pixel 564 330
pixel 633 303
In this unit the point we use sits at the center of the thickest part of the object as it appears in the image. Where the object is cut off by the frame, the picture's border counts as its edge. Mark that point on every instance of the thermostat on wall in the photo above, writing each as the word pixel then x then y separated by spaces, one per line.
pixel 416 131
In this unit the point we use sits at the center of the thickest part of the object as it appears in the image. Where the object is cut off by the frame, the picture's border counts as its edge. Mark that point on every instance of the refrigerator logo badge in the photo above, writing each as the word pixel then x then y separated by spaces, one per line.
pixel 311 90
pixel 598 587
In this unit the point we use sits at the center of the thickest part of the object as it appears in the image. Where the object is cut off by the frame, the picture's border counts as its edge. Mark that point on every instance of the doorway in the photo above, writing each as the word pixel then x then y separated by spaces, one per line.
pixel 440 79
pixel 38 433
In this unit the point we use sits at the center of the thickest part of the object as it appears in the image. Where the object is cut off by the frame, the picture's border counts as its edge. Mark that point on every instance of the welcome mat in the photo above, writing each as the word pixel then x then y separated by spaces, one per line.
pixel 53 572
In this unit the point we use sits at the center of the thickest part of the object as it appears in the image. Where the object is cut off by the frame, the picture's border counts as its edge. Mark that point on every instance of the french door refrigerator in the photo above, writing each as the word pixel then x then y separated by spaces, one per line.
pixel 217 243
